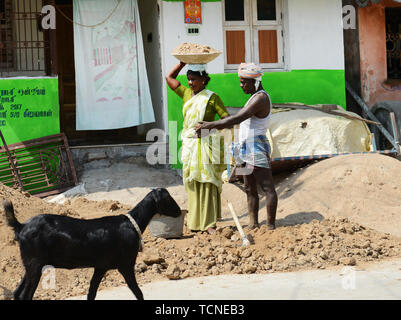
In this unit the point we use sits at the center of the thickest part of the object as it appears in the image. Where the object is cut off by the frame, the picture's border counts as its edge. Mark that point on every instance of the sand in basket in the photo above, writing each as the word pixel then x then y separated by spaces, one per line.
pixel 193 53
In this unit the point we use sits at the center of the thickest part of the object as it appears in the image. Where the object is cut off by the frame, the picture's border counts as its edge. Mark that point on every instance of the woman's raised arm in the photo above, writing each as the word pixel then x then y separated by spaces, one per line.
pixel 172 82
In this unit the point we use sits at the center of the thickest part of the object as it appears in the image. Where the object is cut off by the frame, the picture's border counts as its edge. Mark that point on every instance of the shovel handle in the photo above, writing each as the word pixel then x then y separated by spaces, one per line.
pixel 239 227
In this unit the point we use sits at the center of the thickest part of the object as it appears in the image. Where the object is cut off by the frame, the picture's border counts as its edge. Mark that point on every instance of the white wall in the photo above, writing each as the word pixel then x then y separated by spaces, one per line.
pixel 173 31
pixel 315 34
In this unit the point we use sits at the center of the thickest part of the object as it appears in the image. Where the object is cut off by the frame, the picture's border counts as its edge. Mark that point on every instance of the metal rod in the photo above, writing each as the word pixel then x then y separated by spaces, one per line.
pixel 62 165
pixel 32 175
pixel 395 131
pixel 42 187
pixel 70 161
pixel 373 142
pixel 37 142
pixel 52 192
pixel 12 162
pixel 371 115
pixel 30 165
pixel 139 144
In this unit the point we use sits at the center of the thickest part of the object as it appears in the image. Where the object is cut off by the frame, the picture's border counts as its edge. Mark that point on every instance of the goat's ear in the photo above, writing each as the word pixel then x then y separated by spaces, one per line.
pixel 156 195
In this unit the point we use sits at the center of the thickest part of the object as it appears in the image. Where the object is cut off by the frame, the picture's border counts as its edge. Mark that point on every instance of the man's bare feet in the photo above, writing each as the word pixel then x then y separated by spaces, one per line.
pixel 252 226
pixel 271 227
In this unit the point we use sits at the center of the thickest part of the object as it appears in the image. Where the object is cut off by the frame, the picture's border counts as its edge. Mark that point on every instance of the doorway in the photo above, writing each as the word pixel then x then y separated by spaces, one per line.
pixel 148 10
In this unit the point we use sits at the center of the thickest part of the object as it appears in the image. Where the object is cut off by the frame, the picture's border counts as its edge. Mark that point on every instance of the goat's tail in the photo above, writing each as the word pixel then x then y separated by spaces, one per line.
pixel 10 216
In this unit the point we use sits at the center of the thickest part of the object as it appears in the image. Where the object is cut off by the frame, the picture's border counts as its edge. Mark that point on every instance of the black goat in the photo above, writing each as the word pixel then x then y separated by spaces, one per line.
pixel 104 243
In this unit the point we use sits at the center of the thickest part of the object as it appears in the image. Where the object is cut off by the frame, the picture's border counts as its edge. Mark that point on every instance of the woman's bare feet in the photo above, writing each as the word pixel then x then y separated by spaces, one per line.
pixel 211 230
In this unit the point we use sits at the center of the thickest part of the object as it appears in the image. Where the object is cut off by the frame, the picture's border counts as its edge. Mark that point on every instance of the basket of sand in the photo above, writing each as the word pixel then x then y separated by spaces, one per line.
pixel 192 53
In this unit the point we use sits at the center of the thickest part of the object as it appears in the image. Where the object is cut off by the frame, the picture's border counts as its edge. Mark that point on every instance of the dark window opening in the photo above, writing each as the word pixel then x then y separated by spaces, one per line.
pixel 266 10
pixel 6 54
pixel 2 9
pixel 234 10
pixel 393 42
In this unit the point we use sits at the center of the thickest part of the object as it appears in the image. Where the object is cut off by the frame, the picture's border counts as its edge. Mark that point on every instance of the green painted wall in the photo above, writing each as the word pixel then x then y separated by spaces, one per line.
pixel 304 86
pixel 29 108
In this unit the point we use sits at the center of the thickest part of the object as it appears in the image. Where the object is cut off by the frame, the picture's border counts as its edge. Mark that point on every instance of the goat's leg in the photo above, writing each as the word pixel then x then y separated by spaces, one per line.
pixel 94 285
pixel 33 274
pixel 17 292
pixel 129 276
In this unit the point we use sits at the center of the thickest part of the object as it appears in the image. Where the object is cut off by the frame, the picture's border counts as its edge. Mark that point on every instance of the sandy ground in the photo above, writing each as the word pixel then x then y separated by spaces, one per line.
pixel 341 211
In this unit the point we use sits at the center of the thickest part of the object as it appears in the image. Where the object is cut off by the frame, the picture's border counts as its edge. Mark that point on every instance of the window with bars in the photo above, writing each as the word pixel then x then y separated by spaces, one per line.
pixel 253 31
pixel 5 33
pixel 24 47
pixel 393 39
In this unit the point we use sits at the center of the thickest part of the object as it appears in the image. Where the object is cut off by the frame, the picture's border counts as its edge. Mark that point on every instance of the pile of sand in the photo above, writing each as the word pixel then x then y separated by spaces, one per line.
pixel 332 242
pixel 364 188
pixel 341 211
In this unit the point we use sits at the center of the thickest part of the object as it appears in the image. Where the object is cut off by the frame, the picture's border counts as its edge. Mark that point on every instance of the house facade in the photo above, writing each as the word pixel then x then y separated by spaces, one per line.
pixel 299 44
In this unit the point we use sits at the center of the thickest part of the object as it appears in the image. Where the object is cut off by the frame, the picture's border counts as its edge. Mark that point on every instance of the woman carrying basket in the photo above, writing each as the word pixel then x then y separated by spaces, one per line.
pixel 202 158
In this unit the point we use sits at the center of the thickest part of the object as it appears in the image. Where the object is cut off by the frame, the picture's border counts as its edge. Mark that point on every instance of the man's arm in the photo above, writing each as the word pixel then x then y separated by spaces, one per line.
pixel 172 82
pixel 250 110
pixel 229 121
